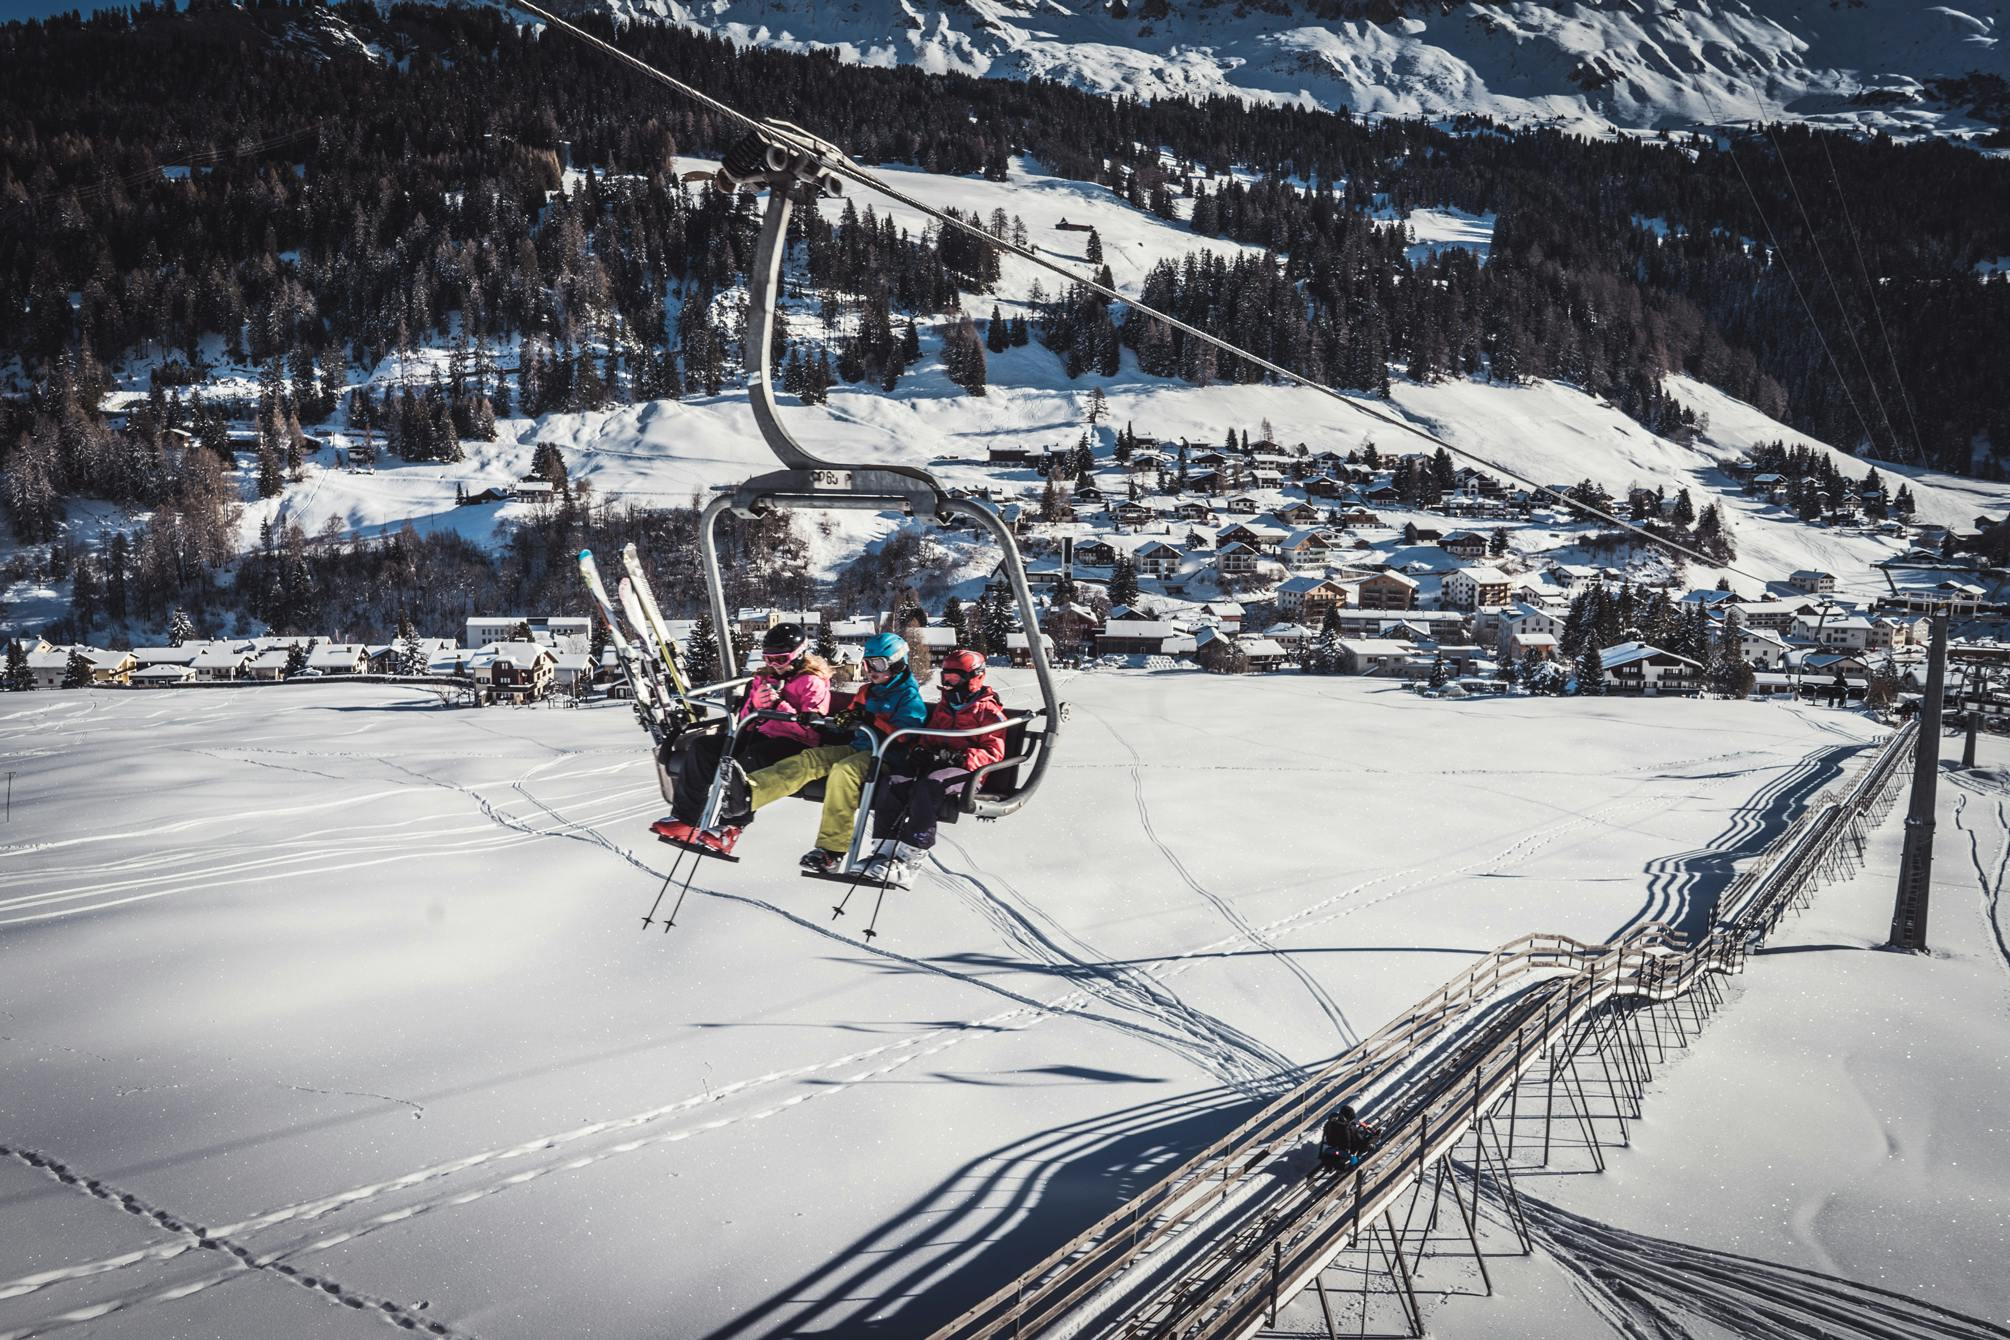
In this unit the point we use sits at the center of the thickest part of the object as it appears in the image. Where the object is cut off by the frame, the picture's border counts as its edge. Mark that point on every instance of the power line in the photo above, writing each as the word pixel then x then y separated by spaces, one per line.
pixel 1843 312
pixel 844 167
pixel 1863 268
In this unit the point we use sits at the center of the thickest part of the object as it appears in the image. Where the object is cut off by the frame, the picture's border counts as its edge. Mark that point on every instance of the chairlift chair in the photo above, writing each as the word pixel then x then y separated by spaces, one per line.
pixel 796 175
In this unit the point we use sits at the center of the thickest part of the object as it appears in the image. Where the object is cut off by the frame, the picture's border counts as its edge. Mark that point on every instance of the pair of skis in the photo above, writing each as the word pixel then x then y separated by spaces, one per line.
pixel 663 700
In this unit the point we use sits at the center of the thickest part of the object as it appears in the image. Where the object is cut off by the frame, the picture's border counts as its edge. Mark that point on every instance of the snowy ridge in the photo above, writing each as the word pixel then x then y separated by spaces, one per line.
pixel 1594 67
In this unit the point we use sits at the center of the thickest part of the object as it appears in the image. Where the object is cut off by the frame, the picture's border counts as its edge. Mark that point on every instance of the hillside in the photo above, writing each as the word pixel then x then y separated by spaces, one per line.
pixel 1597 67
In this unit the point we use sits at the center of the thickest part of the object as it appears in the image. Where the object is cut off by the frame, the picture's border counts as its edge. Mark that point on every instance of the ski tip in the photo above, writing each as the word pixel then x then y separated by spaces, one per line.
pixel 585 554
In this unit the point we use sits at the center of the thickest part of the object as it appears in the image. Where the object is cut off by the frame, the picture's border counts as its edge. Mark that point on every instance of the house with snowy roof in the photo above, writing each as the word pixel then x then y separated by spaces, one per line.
pixel 514 671
pixel 162 675
pixel 1305 550
pixel 1157 560
pixel 1375 656
pixel 1307 598
pixel 338 658
pixel 1132 637
pixel 1470 588
pixel 1638 668
pixel 1236 559
pixel 1386 591
pixel 50 667
pixel 1464 544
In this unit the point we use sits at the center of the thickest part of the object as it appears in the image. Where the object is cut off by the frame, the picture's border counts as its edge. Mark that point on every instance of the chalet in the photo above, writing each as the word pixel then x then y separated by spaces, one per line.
pixel 1019 649
pixel 571 671
pixel 1307 598
pixel 1298 514
pixel 1134 637
pixel 514 671
pixel 1357 516
pixel 162 676
pixel 338 658
pixel 1132 514
pixel 1009 454
pixel 1257 535
pixel 1573 579
pixel 1225 614
pixel 1203 481
pixel 1761 649
pixel 1242 505
pixel 1157 560
pixel 1470 588
pixel 1532 646
pixel 1775 616
pixel 1812 582
pixel 1071 628
pixel 1375 656
pixel 1440 624
pixel 1065 227
pixel 50 667
pixel 1465 544
pixel 1236 559
pixel 1636 667
pixel 1305 549
pixel 216 662
pixel 1292 637
pixel 531 491
pixel 1266 478
pixel 750 622
pixel 1192 510
pixel 1381 495
pixel 149 657
pixel 1095 553
pixel 1264 653
pixel 1327 487
pixel 1387 591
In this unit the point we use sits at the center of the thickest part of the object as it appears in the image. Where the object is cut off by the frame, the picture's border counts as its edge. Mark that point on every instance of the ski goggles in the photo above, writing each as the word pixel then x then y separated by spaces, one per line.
pixel 879 665
pixel 780 660
pixel 952 676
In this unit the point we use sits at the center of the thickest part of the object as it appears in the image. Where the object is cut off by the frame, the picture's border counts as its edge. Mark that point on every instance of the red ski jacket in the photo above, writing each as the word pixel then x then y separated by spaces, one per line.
pixel 981 709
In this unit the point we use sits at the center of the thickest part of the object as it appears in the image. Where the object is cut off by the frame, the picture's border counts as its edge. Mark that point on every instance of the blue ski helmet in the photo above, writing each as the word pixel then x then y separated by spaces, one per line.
pixel 889 649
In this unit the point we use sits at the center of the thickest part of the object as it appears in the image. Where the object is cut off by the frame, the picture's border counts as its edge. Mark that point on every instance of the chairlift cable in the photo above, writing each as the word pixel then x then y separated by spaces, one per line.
pixel 1863 268
pixel 842 166
pixel 1842 312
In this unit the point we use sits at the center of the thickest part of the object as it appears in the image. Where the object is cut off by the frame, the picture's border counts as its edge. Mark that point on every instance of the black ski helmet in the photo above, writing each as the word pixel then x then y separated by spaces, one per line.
pixel 785 639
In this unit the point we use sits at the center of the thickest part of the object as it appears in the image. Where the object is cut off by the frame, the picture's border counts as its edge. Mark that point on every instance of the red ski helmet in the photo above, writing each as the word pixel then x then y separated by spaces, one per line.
pixel 962 669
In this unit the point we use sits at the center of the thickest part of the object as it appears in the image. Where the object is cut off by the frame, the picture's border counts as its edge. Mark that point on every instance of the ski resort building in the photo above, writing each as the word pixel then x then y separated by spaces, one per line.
pixel 483 630
pixel 1636 667
pixel 1387 591
pixel 514 671
pixel 1470 588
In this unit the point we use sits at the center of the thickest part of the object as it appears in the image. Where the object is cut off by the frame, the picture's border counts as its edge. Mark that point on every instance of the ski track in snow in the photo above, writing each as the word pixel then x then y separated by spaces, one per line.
pixel 1218 1048
pixel 1320 996
pixel 1645 1286
pixel 189 1238
pixel 1988 876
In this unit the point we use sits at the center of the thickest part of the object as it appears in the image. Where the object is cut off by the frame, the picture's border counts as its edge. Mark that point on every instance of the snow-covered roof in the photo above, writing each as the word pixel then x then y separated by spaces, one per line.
pixel 1627 653
pixel 1138 628
pixel 336 656
pixel 165 671
pixel 1260 646
pixel 1400 578
pixel 1483 575
pixel 182 655
pixel 221 656
pixel 1298 586
pixel 1377 646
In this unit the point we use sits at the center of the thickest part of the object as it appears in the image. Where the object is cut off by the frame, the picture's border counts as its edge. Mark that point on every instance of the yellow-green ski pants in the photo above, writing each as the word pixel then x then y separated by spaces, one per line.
pixel 843 769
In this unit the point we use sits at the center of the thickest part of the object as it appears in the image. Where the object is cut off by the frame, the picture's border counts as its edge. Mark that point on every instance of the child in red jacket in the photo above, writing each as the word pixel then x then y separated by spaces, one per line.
pixel 909 800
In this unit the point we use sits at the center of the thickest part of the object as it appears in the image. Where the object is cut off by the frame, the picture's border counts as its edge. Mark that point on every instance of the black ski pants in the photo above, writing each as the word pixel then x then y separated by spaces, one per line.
pixel 700 761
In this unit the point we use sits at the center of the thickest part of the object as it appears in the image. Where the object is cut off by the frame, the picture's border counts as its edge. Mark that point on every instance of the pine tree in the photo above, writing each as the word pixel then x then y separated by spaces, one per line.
pixel 1124 581
pixel 1001 620
pixel 1591 672
pixel 1439 673
pixel 20 679
pixel 997 338
pixel 77 672
pixel 180 628
pixel 953 618
pixel 701 653
pixel 296 660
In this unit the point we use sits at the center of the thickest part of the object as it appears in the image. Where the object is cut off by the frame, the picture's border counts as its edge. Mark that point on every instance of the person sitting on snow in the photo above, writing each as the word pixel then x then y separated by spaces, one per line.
pixel 792 679
pixel 891 702
pixel 908 803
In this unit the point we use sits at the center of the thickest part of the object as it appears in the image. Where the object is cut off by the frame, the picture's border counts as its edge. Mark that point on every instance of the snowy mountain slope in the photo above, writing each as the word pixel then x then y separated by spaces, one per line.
pixel 667 452
pixel 359 986
pixel 1592 65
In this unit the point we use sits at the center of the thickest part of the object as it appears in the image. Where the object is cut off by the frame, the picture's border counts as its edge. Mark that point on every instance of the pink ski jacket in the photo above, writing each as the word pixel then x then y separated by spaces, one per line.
pixel 806 693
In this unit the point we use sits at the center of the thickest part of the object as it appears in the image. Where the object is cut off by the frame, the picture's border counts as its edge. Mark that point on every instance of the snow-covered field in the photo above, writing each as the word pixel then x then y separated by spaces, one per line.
pixel 326 1003
pixel 1838 1131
